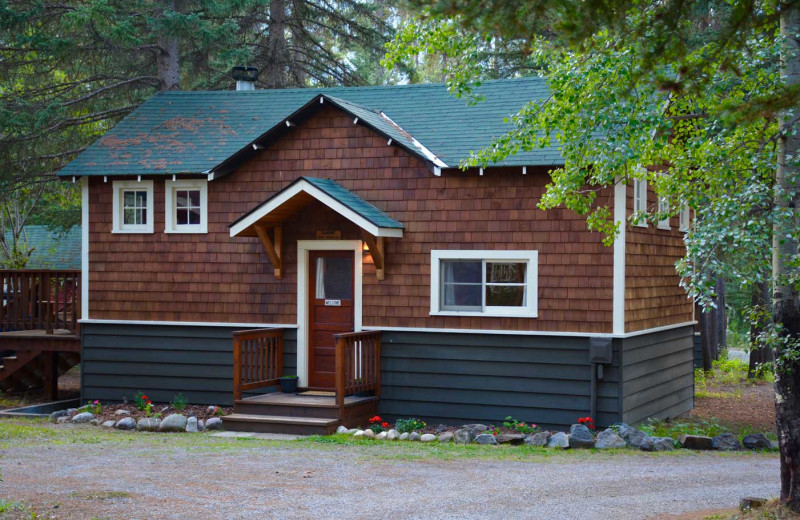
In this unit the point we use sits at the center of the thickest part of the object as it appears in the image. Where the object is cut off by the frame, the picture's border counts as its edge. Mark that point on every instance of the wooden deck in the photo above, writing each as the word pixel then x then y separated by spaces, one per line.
pixel 299 414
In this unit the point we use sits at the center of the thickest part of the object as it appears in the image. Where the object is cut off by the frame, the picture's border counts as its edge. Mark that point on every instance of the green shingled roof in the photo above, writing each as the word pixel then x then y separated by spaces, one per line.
pixel 354 202
pixel 192 132
pixel 52 249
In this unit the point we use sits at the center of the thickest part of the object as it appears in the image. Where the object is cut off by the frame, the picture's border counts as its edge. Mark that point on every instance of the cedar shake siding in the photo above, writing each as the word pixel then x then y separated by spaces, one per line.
pixel 213 277
pixel 653 295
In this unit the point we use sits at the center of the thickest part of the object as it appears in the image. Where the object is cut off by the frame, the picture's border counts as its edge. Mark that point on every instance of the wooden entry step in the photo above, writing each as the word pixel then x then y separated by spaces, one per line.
pixel 299 414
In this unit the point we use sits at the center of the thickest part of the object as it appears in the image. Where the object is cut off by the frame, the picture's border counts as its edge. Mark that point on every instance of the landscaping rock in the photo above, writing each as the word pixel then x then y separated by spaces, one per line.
pixel 428 437
pixel 485 438
pixel 696 442
pixel 83 417
pixel 359 434
pixel 608 439
pixel 392 435
pixel 95 422
pixel 580 437
pixel 62 419
pixel 558 440
pixel 515 439
pixel 163 410
pixel 201 425
pixel 657 444
pixel 633 437
pixel 369 434
pixel 108 424
pixel 126 423
pixel 446 437
pixel 756 441
pixel 342 429
pixel 214 423
pixel 748 503
pixel 211 409
pixel 775 445
pixel 173 423
pixel 404 436
pixel 147 424
pixel 381 436
pixel 726 442
pixel 414 436
pixel 191 425
pixel 55 415
pixel 72 411
pixel 538 439
pixel 121 412
pixel 467 433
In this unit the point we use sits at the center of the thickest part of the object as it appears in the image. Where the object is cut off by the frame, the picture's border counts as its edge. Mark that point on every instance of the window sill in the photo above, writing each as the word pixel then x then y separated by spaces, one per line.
pixel 186 231
pixel 664 227
pixel 474 314
pixel 133 231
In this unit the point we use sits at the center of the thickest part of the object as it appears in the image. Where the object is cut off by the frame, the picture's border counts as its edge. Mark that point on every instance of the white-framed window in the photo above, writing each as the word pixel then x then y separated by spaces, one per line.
pixel 684 223
pixel 663 207
pixel 640 199
pixel 186 206
pixel 484 283
pixel 132 207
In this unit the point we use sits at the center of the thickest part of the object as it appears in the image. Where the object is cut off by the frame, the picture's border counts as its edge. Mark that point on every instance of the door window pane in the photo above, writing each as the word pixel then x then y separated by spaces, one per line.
pixel 334 278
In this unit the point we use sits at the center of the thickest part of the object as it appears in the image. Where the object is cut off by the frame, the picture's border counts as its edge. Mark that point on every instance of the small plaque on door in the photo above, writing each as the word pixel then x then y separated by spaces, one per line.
pixel 333 303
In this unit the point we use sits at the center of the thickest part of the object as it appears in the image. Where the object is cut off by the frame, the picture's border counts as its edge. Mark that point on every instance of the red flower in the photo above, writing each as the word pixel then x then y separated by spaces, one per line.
pixel 144 397
pixel 385 424
pixel 375 419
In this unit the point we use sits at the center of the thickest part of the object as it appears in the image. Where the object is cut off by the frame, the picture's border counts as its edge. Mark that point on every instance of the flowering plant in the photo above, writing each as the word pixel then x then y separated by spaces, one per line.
pixel 141 400
pixel 94 407
pixel 378 425
pixel 521 427
pixel 586 421
pixel 492 430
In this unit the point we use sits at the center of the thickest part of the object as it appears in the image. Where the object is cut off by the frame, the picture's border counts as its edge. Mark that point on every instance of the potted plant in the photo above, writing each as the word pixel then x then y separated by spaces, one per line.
pixel 288 384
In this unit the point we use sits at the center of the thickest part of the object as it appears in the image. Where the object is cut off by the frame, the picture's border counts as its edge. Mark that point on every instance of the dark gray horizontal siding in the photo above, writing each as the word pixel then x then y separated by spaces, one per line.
pixel 456 378
pixel 163 360
pixel 658 374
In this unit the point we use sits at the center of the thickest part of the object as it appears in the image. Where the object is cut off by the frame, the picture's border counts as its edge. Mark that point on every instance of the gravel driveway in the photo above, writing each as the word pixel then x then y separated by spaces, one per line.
pixel 168 480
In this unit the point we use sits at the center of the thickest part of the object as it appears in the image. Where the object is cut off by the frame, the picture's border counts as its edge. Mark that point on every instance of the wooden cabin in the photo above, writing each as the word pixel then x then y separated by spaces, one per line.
pixel 231 237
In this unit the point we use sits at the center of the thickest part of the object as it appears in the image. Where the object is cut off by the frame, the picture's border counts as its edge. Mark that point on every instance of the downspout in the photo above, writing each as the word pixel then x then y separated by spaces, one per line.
pixel 600 353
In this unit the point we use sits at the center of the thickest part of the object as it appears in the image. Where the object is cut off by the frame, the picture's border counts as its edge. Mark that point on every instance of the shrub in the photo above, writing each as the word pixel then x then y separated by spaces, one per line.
pixel 179 402
pixel 409 425
pixel 659 428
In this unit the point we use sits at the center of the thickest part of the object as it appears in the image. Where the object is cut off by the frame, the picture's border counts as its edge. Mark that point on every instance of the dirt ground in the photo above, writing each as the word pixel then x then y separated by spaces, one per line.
pixel 753 410
pixel 69 387
pixel 73 472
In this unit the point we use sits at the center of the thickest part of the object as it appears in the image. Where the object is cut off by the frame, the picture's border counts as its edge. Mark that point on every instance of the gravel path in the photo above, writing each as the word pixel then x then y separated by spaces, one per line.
pixel 291 480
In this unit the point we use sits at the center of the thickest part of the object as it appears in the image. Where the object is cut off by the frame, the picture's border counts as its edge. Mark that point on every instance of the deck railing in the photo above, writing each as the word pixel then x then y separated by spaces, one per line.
pixel 257 359
pixel 40 299
pixel 358 364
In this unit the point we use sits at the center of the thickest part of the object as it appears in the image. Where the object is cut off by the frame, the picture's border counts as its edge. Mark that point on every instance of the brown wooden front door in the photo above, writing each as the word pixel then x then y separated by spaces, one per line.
pixel 331 312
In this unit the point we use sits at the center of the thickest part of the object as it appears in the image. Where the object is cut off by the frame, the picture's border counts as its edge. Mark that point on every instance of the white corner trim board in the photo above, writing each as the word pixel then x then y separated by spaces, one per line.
pixel 303 248
pixel 84 248
pixel 620 218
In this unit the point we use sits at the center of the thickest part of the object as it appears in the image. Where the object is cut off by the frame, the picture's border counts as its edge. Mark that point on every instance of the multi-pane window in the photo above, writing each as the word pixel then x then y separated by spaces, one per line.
pixel 684 218
pixel 484 282
pixel 185 206
pixel 133 207
pixel 663 207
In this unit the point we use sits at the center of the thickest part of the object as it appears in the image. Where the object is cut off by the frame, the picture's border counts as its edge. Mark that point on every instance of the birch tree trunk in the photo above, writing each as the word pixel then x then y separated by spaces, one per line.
pixel 786 307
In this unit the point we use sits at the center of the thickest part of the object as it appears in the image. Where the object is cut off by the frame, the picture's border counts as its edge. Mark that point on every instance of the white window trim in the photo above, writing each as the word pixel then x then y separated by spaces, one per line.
pixel 685 220
pixel 170 208
pixel 530 310
pixel 663 207
pixel 640 199
pixel 116 220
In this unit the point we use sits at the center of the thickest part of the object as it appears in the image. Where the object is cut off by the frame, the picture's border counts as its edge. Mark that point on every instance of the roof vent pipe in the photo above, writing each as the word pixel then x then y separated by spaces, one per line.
pixel 245 77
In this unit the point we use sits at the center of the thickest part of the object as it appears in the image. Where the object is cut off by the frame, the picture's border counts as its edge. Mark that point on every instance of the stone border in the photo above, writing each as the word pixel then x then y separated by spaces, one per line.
pixel 172 423
pixel 579 437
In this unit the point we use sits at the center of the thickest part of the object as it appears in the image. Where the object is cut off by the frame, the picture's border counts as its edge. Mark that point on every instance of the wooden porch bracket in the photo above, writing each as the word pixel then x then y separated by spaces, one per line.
pixel 272 247
pixel 377 251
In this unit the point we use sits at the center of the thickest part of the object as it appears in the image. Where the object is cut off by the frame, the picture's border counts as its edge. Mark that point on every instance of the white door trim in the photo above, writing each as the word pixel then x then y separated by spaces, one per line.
pixel 303 248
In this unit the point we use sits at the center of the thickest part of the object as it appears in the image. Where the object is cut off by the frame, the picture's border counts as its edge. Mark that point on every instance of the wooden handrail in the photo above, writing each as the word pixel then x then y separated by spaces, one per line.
pixel 257 359
pixel 358 364
pixel 34 299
